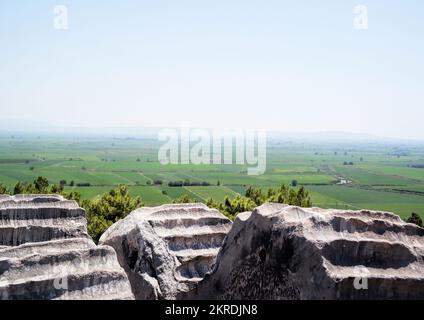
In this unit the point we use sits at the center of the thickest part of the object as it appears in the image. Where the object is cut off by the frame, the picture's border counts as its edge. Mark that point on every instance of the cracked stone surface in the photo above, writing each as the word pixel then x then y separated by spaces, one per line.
pixel 285 252
pixel 167 250
pixel 46 253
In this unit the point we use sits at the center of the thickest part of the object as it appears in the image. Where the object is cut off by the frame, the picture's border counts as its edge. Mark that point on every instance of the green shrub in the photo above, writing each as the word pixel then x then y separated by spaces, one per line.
pixel 416 219
pixel 255 197
pixel 184 199
pixel 108 209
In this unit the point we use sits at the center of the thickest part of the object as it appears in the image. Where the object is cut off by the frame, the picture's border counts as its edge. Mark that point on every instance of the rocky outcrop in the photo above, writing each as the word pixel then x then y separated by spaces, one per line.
pixel 46 253
pixel 189 251
pixel 285 252
pixel 26 218
pixel 166 250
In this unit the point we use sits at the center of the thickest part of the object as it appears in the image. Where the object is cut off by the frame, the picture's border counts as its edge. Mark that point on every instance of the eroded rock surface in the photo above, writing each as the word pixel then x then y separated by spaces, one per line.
pixel 167 250
pixel 46 253
pixel 285 252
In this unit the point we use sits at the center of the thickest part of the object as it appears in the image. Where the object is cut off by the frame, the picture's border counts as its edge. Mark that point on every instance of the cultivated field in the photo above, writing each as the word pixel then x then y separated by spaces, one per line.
pixel 380 176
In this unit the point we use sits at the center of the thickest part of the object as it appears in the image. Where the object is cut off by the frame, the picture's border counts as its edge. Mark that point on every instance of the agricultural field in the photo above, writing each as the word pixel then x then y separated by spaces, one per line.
pixel 380 176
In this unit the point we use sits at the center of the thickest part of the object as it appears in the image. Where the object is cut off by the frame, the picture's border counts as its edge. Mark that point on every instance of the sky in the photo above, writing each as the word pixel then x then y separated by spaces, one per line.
pixel 295 66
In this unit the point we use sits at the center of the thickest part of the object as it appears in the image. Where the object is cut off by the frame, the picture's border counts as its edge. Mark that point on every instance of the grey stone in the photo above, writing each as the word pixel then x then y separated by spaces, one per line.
pixel 286 252
pixel 166 250
pixel 46 253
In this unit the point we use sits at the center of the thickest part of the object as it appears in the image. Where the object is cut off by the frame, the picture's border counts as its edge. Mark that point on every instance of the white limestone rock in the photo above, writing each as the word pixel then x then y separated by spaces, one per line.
pixel 35 218
pixel 286 252
pixel 46 253
pixel 166 250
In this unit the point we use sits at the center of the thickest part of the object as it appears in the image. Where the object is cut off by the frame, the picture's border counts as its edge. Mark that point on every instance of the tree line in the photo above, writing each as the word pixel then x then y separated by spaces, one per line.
pixel 116 204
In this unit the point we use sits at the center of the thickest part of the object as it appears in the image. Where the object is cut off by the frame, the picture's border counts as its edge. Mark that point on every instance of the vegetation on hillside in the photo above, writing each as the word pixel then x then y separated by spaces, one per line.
pixel 116 204
pixel 101 212
pixel 108 209
pixel 384 176
pixel 184 199
pixel 416 219
pixel 40 186
pixel 255 197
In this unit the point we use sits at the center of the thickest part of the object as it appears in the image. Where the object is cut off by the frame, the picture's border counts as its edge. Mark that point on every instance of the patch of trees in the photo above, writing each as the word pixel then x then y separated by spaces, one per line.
pixel 188 183
pixel 101 212
pixel 416 219
pixel 184 199
pixel 416 166
pixel 116 204
pixel 399 153
pixel 83 184
pixel 232 207
pixel 39 186
pixel 3 189
pixel 108 209
pixel 255 197
pixel 346 163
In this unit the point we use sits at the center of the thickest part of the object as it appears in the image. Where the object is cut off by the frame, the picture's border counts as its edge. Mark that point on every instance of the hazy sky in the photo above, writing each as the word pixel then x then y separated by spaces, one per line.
pixel 282 65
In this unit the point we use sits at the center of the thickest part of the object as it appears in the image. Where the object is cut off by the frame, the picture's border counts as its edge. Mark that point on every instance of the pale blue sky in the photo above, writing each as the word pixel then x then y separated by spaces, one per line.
pixel 281 65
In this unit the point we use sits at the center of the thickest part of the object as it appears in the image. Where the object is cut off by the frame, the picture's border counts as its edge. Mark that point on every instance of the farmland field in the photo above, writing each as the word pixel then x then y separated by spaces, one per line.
pixel 380 176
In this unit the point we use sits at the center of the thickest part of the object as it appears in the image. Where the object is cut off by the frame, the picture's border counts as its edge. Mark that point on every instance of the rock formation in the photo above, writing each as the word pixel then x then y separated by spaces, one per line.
pixel 285 252
pixel 189 251
pixel 166 250
pixel 46 253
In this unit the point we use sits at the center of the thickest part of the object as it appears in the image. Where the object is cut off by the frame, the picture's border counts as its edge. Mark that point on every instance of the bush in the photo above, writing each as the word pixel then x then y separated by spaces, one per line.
pixel 416 219
pixel 230 208
pixel 76 196
pixel 56 188
pixel 108 209
pixel 184 199
pixel 41 184
pixel 3 189
pixel 255 197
